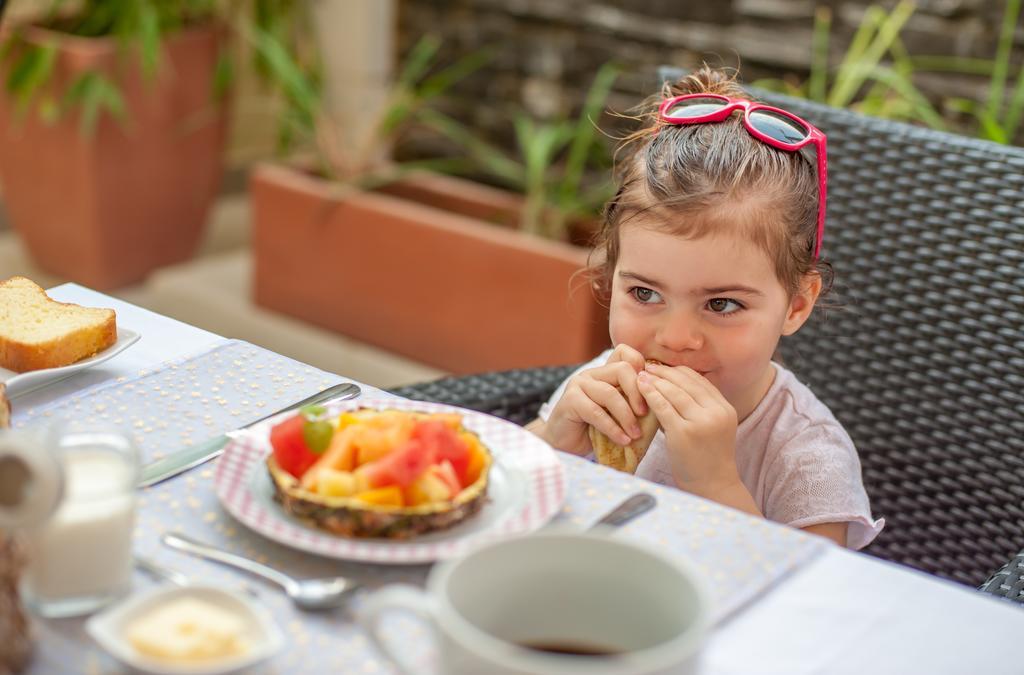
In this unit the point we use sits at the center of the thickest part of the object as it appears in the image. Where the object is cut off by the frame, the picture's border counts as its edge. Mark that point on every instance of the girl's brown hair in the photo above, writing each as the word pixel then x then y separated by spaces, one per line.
pixel 698 179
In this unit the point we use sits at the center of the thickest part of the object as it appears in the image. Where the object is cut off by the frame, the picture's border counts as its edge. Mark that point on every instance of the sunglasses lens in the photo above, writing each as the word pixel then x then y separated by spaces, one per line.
pixel 694 107
pixel 779 127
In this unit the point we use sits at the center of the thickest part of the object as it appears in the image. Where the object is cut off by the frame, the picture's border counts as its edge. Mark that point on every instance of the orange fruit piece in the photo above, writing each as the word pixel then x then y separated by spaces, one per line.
pixel 385 496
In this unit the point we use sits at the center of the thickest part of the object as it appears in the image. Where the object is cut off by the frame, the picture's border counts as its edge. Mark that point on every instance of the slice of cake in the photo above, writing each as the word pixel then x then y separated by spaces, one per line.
pixel 38 332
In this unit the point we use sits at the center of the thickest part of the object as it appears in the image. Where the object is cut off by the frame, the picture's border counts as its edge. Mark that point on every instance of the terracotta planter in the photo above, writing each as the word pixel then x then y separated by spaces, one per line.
pixel 105 211
pixel 447 289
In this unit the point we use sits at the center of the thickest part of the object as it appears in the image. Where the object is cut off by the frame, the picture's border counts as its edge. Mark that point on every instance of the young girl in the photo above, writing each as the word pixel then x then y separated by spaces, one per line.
pixel 711 255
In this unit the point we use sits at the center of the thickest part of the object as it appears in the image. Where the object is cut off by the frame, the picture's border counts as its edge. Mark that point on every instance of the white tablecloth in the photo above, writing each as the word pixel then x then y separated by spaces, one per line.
pixel 840 612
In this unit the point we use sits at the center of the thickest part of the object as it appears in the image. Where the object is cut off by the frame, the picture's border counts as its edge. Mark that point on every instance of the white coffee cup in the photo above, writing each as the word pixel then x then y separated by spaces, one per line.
pixel 540 604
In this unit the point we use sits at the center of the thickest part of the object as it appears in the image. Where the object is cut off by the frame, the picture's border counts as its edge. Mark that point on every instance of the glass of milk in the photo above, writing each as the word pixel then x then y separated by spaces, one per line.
pixel 80 558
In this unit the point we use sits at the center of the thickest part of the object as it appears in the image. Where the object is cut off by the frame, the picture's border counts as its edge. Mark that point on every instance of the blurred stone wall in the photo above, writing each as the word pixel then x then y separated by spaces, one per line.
pixel 548 50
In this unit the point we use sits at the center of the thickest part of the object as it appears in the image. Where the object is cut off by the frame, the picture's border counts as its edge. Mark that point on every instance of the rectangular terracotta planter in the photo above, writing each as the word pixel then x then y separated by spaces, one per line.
pixel 105 211
pixel 454 291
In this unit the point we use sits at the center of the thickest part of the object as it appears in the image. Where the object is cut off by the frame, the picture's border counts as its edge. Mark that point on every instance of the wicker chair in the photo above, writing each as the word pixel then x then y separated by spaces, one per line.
pixel 924 362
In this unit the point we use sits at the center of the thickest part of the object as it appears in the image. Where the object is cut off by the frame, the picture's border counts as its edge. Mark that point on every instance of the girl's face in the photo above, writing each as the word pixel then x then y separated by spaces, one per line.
pixel 713 304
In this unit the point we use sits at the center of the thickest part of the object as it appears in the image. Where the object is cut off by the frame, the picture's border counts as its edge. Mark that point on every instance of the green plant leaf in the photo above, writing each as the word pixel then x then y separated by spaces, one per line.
pixel 92 93
pixel 1011 120
pixel 286 135
pixel 149 39
pixel 102 19
pixel 991 128
pixel 494 159
pixel 418 61
pixel 997 84
pixel 818 82
pixel 30 72
pixel 49 110
pixel 885 101
pixel 919 105
pixel 952 64
pixel 409 97
pixel 223 75
pixel 297 87
pixel 539 143
pixel 583 133
pixel 856 67
pixel 397 111
pixel 444 79
pixel 91 106
pixel 961 105
pixel 862 38
pixel 876 100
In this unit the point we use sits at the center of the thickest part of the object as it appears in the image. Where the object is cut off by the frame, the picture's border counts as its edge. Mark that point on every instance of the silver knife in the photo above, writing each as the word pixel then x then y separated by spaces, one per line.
pixel 183 460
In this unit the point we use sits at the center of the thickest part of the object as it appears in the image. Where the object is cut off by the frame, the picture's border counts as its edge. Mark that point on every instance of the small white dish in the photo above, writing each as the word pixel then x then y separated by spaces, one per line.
pixel 22 383
pixel 109 629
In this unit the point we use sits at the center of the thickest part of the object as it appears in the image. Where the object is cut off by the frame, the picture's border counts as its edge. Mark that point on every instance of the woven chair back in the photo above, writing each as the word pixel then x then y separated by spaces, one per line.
pixel 923 361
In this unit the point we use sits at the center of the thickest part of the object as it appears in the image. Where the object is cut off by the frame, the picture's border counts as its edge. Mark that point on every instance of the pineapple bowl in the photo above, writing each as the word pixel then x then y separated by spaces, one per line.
pixel 394 474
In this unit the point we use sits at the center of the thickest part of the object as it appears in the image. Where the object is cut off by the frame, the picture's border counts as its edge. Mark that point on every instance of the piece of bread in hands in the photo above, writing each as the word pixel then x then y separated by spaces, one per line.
pixel 37 332
pixel 625 457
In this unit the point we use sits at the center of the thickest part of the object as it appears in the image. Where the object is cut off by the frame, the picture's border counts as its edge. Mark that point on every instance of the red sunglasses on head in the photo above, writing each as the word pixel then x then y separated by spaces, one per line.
pixel 774 126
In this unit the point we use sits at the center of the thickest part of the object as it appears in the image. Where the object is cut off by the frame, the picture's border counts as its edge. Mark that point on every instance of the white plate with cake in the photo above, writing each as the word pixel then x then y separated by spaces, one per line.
pixel 42 340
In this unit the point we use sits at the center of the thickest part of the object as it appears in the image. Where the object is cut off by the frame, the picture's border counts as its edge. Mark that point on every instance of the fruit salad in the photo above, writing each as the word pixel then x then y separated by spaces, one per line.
pixel 369 472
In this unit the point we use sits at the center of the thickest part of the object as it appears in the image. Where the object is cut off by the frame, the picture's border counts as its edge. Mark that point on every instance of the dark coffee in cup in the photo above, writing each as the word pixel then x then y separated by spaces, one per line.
pixel 570 648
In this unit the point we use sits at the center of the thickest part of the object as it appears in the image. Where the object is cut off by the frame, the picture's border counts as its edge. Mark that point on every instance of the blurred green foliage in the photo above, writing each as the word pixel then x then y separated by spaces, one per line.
pixel 549 162
pixel 876 76
pixel 306 126
pixel 139 28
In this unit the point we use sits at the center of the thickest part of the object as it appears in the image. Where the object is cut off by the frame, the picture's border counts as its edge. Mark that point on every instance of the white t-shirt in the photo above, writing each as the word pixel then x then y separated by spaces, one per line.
pixel 793 456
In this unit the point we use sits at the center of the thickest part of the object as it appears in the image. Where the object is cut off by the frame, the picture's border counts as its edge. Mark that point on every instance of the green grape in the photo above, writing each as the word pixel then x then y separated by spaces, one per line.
pixel 317 435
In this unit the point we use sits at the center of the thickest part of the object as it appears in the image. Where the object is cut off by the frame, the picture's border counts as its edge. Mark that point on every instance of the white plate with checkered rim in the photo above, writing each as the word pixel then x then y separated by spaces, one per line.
pixel 526 488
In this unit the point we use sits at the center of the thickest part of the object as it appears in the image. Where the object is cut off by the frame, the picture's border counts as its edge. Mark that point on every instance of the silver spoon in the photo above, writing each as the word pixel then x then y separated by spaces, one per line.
pixel 630 508
pixel 309 594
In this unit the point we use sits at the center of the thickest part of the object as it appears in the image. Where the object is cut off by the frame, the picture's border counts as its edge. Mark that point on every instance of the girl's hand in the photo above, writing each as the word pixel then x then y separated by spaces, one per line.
pixel 699 425
pixel 606 397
